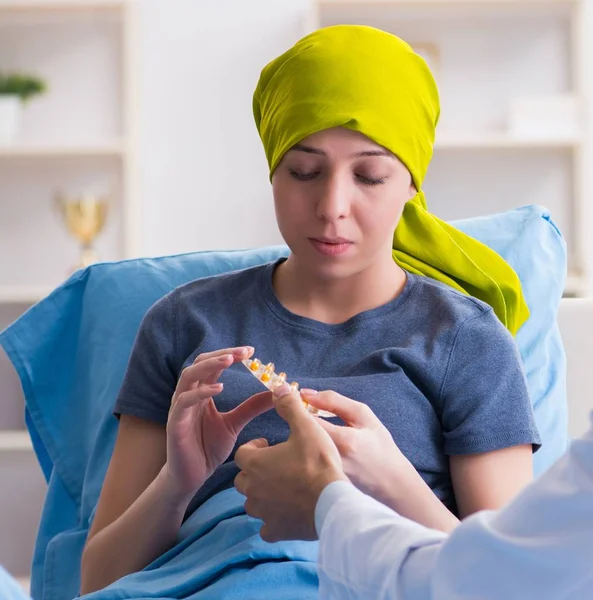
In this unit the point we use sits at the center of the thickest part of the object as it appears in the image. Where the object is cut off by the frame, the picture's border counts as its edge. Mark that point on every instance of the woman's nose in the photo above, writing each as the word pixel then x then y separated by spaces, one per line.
pixel 333 202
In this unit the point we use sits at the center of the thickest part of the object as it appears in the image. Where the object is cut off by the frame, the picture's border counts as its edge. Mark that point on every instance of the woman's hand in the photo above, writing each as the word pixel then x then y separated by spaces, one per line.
pixel 370 457
pixel 374 464
pixel 199 438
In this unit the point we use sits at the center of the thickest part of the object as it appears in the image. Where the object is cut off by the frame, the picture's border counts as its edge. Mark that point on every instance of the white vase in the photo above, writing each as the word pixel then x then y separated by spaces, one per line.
pixel 10 117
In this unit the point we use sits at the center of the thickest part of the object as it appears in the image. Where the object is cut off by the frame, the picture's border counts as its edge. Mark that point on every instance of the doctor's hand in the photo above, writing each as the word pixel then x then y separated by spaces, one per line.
pixel 370 457
pixel 199 438
pixel 283 483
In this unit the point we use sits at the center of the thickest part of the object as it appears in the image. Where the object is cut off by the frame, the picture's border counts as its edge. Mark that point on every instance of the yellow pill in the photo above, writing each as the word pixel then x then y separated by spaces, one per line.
pixel 265 377
pixel 254 366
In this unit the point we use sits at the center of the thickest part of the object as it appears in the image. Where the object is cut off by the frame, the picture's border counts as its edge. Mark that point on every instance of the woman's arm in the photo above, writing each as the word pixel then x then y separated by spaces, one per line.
pixel 489 430
pixel 139 512
pixel 490 479
pixel 485 481
pixel 155 472
pixel 406 493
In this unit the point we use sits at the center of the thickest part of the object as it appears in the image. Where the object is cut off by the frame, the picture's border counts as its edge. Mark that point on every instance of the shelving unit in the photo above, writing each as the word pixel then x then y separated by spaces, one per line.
pixel 79 137
pixel 38 6
pixel 23 295
pixel 115 150
pixel 486 141
pixel 15 441
pixel 576 287
pixel 488 54
pixel 446 7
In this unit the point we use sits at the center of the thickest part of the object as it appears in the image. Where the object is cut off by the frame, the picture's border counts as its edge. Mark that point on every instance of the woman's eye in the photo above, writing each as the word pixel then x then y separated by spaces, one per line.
pixel 309 175
pixel 369 180
pixel 303 176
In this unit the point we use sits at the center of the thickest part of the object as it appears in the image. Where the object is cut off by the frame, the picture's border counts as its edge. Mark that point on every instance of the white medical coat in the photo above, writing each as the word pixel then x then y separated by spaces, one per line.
pixel 540 546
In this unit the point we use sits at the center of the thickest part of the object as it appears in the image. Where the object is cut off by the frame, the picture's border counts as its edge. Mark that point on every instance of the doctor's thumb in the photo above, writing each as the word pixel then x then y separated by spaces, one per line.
pixel 258 443
pixel 289 405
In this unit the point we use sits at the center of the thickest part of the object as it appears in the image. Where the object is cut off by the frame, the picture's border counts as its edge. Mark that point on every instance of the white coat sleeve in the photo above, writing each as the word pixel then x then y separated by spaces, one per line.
pixel 539 546
pixel 368 551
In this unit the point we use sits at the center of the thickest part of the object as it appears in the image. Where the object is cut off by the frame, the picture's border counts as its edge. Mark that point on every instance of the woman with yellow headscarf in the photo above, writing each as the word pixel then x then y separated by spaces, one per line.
pixel 378 302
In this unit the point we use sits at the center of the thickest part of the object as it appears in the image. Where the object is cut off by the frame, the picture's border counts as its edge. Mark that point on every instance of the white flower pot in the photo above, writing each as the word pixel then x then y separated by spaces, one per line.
pixel 10 117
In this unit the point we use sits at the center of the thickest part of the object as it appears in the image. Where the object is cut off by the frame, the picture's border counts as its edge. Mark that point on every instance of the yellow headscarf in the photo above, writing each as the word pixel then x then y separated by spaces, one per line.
pixel 370 81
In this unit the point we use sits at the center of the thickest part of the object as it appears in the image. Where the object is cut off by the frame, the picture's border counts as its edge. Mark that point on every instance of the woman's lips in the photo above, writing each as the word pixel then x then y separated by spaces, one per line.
pixel 329 247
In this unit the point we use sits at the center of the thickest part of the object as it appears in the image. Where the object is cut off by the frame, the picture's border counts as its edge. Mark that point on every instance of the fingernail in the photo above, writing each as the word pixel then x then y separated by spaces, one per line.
pixel 282 390
pixel 244 350
pixel 309 392
pixel 216 386
pixel 225 357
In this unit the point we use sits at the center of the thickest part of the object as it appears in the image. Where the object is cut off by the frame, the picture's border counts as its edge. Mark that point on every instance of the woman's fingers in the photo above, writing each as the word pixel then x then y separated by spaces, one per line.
pixel 237 354
pixel 199 380
pixel 240 352
pixel 333 430
pixel 192 397
pixel 340 435
pixel 254 406
pixel 214 376
pixel 201 372
pixel 350 411
pixel 208 366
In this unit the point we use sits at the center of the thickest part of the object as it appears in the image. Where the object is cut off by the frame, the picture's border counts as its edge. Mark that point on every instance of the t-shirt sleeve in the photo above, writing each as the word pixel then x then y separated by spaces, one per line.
pixel 484 395
pixel 151 375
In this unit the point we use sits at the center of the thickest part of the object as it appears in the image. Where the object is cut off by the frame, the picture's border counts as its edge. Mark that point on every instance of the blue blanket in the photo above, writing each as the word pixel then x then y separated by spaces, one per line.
pixel 220 556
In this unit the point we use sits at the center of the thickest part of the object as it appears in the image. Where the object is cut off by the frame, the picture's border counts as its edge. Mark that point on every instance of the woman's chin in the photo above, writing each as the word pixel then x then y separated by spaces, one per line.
pixel 328 268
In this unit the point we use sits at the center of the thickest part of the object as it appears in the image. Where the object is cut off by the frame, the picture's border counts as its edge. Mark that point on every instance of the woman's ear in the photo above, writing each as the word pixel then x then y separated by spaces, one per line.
pixel 412 191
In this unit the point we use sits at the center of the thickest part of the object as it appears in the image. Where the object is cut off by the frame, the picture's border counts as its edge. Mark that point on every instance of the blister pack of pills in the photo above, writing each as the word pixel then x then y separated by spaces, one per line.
pixel 267 375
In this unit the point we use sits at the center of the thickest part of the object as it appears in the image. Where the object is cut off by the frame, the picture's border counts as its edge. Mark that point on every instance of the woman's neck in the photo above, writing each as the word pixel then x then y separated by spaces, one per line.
pixel 336 300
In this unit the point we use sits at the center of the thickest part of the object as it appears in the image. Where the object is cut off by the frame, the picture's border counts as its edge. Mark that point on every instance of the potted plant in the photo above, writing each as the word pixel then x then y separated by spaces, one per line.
pixel 16 89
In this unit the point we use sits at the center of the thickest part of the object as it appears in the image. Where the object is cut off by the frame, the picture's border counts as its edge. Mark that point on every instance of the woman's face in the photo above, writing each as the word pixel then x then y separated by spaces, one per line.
pixel 338 198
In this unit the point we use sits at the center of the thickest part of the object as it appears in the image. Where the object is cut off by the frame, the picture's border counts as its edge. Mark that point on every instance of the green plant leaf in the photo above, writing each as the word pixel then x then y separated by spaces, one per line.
pixel 22 85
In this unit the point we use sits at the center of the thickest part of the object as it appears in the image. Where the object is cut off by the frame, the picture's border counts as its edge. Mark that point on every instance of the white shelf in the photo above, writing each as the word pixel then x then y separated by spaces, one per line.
pixel 442 8
pixel 64 5
pixel 15 441
pixel 576 285
pixel 504 141
pixel 116 149
pixel 27 295
pixel 445 3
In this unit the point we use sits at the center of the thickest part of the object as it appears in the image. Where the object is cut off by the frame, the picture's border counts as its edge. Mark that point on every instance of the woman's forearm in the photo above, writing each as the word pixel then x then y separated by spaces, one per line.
pixel 408 494
pixel 140 535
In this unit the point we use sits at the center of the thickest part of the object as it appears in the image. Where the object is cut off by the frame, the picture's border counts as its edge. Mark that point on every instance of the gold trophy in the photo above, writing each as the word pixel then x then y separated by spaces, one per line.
pixel 84 217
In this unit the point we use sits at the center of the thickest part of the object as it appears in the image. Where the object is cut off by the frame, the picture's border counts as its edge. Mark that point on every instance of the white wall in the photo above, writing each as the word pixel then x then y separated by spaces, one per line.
pixel 202 173
pixel 575 319
pixel 22 491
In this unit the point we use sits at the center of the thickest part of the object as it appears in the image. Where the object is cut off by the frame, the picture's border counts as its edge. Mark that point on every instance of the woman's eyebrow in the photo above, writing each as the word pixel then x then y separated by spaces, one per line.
pixel 308 149
pixel 311 150
pixel 376 153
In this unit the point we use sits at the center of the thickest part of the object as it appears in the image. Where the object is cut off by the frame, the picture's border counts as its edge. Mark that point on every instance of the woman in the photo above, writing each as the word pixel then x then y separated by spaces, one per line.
pixel 347 118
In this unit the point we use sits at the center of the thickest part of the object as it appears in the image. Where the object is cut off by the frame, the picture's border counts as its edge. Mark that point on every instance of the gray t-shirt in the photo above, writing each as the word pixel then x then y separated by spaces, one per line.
pixel 437 367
